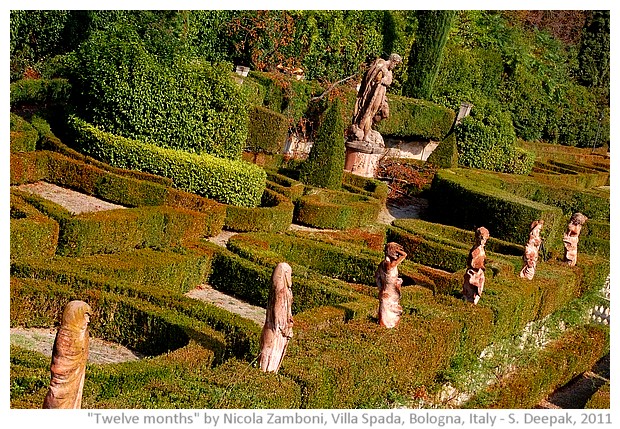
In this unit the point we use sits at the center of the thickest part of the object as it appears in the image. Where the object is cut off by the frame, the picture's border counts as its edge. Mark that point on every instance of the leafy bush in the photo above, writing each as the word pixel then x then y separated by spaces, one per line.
pixel 411 117
pixel 189 105
pixel 32 233
pixel 268 130
pixel 23 136
pixel 275 214
pixel 39 91
pixel 226 181
pixel 325 164
pixel 323 208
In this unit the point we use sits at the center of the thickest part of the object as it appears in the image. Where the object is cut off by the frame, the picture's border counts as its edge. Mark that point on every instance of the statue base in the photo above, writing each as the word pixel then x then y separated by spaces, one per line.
pixel 363 157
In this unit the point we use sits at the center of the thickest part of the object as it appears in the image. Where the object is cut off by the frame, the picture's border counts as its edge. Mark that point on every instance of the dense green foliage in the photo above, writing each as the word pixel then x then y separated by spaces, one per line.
pixel 325 164
pixel 188 104
pixel 224 180
pixel 427 52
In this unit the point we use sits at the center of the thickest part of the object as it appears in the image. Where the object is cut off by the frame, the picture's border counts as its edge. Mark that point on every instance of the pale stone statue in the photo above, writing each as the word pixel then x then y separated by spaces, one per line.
pixel 371 105
pixel 571 237
pixel 530 256
pixel 473 282
pixel 389 285
pixel 278 328
pixel 69 358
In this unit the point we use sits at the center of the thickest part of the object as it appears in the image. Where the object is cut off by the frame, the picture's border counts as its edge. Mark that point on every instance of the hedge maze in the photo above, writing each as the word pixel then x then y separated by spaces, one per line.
pixel 134 265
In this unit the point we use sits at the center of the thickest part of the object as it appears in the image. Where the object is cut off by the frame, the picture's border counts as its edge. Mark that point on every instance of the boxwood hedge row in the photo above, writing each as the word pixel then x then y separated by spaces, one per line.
pixel 224 180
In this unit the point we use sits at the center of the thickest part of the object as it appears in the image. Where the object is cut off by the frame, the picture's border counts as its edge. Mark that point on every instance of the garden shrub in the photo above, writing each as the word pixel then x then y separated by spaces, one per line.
pixel 275 214
pixel 601 399
pixel 33 235
pixel 134 323
pixel 50 142
pixel 39 91
pixel 226 181
pixel 575 352
pixel 324 208
pixel 446 154
pixel 251 280
pixel 367 186
pixel 128 91
pixel 268 130
pixel 325 164
pixel 23 136
pixel 122 229
pixel 455 236
pixel 410 117
pixel 507 216
pixel 284 185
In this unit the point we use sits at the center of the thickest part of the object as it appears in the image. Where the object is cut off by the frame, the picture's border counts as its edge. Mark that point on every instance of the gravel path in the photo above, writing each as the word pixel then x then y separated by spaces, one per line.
pixel 74 202
pixel 208 294
pixel 99 351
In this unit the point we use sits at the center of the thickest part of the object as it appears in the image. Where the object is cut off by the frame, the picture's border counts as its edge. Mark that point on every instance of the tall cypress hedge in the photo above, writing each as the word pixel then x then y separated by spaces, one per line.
pixel 427 51
pixel 325 165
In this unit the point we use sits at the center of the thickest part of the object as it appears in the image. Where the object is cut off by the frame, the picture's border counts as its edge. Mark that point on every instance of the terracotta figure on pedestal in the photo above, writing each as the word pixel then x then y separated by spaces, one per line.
pixel 389 285
pixel 69 358
pixel 571 237
pixel 530 256
pixel 473 282
pixel 278 328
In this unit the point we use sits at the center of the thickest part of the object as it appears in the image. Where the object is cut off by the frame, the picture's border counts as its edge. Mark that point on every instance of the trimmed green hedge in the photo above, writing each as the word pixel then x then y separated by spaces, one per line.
pixel 575 352
pixel 114 187
pixel 23 136
pixel 456 236
pixel 49 141
pixel 250 280
pixel 122 229
pixel 410 117
pixel 507 216
pixel 39 91
pixel 362 185
pixel 131 322
pixel 33 235
pixel 227 181
pixel 275 214
pixel 446 154
pixel 324 208
pixel 267 131
pixel 284 185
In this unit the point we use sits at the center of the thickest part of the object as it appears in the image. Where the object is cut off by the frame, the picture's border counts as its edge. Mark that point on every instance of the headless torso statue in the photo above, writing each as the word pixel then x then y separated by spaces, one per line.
pixel 389 285
pixel 69 358
pixel 278 327
pixel 473 281
pixel 530 255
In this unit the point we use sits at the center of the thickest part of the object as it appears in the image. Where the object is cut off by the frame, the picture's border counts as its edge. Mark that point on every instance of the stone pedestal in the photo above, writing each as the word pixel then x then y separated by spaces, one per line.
pixel 362 158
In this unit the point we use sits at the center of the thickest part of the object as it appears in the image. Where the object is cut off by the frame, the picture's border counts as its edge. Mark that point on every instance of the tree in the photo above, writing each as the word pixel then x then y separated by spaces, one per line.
pixel 427 52
pixel 325 165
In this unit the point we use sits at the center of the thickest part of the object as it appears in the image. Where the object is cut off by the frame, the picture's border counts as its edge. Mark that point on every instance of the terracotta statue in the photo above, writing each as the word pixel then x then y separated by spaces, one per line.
pixel 571 237
pixel 473 281
pixel 389 285
pixel 530 256
pixel 371 105
pixel 69 358
pixel 278 328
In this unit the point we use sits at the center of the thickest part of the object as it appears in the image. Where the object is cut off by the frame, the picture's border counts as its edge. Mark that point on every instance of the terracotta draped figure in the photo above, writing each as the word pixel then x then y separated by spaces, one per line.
pixel 571 237
pixel 473 281
pixel 389 285
pixel 278 327
pixel 530 256
pixel 371 104
pixel 69 358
